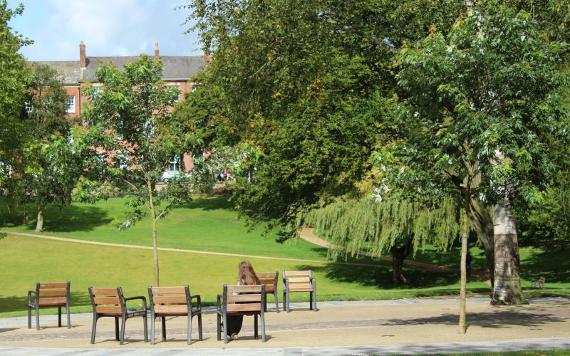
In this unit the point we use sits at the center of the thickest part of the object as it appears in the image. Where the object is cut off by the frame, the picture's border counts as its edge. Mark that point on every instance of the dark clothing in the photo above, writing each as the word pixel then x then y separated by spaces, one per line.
pixel 234 324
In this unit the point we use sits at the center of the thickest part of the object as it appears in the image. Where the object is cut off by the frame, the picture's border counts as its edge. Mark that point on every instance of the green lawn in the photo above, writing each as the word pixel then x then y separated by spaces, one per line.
pixel 209 224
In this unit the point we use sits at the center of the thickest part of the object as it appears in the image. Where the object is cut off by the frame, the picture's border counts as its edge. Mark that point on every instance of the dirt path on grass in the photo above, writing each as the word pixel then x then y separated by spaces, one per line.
pixel 308 234
pixel 180 250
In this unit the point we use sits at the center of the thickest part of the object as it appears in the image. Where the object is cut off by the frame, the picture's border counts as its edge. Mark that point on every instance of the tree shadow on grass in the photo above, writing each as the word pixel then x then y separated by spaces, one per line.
pixel 553 265
pixel 380 275
pixel 66 219
pixel 20 303
pixel 209 203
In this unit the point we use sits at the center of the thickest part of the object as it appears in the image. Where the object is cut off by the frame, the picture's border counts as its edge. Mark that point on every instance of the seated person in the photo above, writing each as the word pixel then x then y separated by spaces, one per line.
pixel 247 277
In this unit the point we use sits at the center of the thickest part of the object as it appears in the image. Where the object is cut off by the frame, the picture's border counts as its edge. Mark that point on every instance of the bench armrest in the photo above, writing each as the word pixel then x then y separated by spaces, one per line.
pixel 198 300
pixel 140 297
pixel 32 297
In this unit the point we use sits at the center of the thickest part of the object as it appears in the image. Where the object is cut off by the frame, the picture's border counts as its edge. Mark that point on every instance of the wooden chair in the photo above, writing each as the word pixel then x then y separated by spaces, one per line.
pixel 241 300
pixel 271 280
pixel 299 281
pixel 173 301
pixel 111 303
pixel 49 295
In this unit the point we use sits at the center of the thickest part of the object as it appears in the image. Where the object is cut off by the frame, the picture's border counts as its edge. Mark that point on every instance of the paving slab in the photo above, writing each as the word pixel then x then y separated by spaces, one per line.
pixel 411 326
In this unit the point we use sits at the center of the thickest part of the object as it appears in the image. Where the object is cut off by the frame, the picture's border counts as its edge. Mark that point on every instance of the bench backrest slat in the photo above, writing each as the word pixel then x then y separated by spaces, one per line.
pixel 243 298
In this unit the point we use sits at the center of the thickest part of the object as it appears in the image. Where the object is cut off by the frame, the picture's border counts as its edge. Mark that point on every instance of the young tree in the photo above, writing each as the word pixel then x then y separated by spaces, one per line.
pixel 53 156
pixel 482 108
pixel 132 110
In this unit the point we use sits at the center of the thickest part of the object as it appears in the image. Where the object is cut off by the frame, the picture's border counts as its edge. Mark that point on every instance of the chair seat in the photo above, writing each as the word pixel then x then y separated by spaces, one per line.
pixel 301 290
pixel 133 313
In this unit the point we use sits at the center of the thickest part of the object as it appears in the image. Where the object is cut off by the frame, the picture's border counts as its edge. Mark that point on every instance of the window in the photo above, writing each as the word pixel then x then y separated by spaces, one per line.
pixel 70 105
pixel 28 107
pixel 174 164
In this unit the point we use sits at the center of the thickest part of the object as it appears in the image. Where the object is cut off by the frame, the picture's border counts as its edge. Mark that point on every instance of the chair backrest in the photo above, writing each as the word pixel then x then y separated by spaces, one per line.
pixel 269 279
pixel 244 299
pixel 107 300
pixel 53 293
pixel 298 280
pixel 170 300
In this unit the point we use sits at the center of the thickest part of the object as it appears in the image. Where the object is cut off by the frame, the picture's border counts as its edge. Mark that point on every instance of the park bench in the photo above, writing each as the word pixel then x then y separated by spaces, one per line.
pixel 174 301
pixel 49 295
pixel 111 303
pixel 299 281
pixel 241 300
pixel 271 280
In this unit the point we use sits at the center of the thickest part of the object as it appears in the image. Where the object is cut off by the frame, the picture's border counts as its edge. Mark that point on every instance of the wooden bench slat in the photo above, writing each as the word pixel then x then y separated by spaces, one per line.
pixel 266 275
pixel 104 309
pixel 168 290
pixel 52 301
pixel 171 309
pixel 299 280
pixel 172 299
pixel 53 292
pixel 244 289
pixel 297 274
pixel 106 300
pixel 250 307
pixel 105 292
pixel 244 298
pixel 300 287
pixel 58 285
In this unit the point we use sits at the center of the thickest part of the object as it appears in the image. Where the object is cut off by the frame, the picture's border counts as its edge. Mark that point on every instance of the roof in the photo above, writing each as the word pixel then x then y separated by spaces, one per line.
pixel 175 67
pixel 69 70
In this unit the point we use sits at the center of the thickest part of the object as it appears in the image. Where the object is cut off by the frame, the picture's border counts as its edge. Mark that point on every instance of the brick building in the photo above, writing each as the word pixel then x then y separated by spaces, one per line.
pixel 178 71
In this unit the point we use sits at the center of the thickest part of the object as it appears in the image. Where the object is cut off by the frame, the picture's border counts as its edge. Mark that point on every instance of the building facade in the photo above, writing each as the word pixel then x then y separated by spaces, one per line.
pixel 76 75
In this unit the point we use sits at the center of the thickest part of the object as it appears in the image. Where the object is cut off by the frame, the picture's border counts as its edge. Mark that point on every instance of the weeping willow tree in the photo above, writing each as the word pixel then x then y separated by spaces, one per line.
pixel 394 226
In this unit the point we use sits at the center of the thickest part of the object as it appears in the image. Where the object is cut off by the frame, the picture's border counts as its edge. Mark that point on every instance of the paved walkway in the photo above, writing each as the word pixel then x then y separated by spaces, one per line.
pixel 410 326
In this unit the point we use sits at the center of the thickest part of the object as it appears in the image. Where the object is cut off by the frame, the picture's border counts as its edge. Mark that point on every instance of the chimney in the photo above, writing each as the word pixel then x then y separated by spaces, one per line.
pixel 82 58
pixel 156 51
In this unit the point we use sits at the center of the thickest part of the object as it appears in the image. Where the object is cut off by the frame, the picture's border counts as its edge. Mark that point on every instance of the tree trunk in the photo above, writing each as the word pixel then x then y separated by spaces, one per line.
pixel 40 219
pixel 399 254
pixel 463 284
pixel 483 225
pixel 507 288
pixel 154 234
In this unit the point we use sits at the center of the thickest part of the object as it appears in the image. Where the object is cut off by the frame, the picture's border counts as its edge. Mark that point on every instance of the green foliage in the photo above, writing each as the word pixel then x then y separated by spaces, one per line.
pixel 483 106
pixel 14 74
pixel 376 225
pixel 299 81
pixel 131 112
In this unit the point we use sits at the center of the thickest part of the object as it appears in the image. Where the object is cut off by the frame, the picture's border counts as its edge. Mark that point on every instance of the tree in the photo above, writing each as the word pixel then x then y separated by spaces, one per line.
pixel 379 224
pixel 53 155
pixel 14 75
pixel 481 108
pixel 132 111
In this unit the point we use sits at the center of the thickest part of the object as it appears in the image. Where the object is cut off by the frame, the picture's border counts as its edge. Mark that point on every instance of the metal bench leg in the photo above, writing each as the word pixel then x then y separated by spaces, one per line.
pixel 310 300
pixel 29 317
pixel 219 326
pixel 263 338
pixel 93 329
pixel 255 327
pixel 117 330
pixel 152 329
pixel 37 317
pixel 145 328
pixel 200 327
pixel 225 328
pixel 189 329
pixel 163 328
pixel 59 317
pixel 68 316
pixel 123 324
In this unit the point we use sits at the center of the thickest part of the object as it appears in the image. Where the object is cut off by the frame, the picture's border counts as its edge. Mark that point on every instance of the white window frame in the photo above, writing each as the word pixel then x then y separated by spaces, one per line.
pixel 70 106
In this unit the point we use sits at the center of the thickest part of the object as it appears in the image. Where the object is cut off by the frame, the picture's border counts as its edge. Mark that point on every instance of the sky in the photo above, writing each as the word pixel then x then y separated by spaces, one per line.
pixel 107 27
